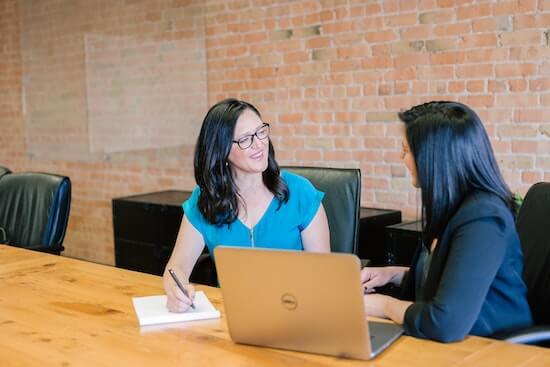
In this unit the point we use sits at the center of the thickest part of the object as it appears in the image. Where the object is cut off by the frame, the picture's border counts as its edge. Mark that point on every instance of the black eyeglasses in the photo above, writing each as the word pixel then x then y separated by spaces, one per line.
pixel 246 141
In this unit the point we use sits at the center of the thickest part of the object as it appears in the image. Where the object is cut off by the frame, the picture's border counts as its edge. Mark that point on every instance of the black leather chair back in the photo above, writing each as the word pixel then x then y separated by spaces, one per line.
pixel 533 225
pixel 4 171
pixel 342 188
pixel 34 210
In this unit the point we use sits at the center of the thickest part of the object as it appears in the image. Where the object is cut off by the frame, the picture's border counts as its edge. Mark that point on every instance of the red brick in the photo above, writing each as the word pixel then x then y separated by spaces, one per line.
pixel 474 71
pixel 453 29
pixel 436 17
pixel 475 86
pixel 378 62
pixel 451 58
pixel 485 55
pixel 318 42
pixel 524 100
pixel 292 118
pixel 521 38
pixel 417 32
pixel 308 155
pixel 524 146
pixel 495 86
pixel 331 28
pixel 407 73
pixel 478 40
pixel 517 85
pixel 409 60
pixel 482 101
pixel 473 11
pixel 435 72
pixel 456 86
pixel 348 143
pixel 533 115
pixel 540 84
pixel 296 57
pixel 400 20
pixel 381 36
pixel 525 21
pixel 531 177
pixel 514 70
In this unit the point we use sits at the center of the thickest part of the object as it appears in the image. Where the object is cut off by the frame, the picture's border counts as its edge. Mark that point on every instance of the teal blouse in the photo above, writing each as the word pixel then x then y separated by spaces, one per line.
pixel 279 227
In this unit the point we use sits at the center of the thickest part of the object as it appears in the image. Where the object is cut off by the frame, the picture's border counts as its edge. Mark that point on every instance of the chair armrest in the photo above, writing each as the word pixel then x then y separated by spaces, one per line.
pixel 537 335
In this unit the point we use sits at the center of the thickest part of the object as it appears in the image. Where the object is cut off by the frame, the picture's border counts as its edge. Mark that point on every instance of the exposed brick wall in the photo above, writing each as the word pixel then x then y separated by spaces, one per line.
pixel 330 76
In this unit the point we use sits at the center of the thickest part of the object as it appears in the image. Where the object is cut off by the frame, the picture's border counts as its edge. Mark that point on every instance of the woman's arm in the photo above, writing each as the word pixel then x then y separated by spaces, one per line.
pixel 476 251
pixel 379 305
pixel 316 236
pixel 189 245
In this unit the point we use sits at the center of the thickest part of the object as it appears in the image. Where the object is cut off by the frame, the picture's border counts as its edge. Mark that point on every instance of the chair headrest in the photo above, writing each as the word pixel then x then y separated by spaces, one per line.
pixel 342 188
pixel 34 209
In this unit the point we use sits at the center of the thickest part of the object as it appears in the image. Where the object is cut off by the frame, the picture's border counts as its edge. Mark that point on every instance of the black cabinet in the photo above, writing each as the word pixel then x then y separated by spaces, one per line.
pixel 372 233
pixel 145 228
pixel 402 241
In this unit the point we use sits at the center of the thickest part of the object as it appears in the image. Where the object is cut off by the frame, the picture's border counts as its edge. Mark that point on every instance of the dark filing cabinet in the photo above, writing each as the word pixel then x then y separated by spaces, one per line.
pixel 401 242
pixel 145 228
pixel 372 233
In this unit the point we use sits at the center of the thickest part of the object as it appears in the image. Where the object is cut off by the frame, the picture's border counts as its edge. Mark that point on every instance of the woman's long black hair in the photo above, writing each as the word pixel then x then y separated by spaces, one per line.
pixel 219 197
pixel 453 158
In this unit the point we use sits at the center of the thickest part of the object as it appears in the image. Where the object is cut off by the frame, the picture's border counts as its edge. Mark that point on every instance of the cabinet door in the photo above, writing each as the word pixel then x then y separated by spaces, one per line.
pixel 135 221
pixel 138 256
pixel 137 230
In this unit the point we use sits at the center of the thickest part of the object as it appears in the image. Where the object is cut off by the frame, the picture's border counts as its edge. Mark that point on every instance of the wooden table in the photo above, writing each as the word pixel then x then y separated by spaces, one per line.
pixel 56 311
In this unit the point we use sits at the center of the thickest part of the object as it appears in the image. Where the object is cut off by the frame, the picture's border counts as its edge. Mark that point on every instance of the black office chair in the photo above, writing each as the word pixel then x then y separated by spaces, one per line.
pixel 34 210
pixel 342 188
pixel 4 171
pixel 532 223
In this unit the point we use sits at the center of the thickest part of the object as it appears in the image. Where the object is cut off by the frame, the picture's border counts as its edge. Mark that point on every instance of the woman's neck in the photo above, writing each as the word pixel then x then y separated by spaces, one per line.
pixel 249 183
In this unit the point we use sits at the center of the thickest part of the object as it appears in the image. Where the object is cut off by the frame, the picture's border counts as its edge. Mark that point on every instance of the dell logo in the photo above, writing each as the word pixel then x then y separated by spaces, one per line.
pixel 289 301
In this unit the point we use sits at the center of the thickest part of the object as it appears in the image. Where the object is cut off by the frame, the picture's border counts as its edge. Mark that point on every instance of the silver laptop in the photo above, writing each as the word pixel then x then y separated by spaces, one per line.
pixel 300 301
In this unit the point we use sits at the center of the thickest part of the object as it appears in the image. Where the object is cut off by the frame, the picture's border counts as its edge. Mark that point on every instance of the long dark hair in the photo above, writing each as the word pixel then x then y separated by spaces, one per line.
pixel 219 197
pixel 453 158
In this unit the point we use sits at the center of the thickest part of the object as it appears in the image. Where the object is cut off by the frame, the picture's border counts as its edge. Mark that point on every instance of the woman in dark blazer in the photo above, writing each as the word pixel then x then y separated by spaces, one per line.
pixel 466 278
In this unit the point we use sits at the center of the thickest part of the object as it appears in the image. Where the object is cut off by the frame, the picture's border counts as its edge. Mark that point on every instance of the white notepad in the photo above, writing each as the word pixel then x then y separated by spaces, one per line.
pixel 152 310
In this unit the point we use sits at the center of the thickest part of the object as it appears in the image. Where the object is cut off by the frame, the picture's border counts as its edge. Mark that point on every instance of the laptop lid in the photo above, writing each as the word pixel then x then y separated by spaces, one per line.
pixel 295 300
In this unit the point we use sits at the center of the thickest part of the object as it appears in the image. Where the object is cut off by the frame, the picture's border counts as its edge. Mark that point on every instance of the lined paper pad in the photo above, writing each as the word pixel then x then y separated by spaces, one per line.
pixel 152 310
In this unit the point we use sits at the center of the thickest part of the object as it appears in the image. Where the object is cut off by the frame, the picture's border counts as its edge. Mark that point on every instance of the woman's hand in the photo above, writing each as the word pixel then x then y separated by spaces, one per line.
pixel 375 305
pixel 176 300
pixel 379 305
pixel 372 277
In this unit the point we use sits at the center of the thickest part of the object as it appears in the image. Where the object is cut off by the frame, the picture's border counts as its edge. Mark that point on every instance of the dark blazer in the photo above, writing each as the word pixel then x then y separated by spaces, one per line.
pixel 474 283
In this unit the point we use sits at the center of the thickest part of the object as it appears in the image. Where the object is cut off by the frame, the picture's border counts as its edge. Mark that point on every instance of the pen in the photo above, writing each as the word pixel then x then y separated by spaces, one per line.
pixel 180 286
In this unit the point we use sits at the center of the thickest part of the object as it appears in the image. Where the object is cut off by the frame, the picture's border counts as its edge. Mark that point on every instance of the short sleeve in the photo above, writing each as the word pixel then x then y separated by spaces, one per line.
pixel 192 212
pixel 306 197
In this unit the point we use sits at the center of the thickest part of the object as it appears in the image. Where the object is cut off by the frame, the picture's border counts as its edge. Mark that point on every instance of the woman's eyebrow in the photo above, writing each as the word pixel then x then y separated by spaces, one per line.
pixel 249 132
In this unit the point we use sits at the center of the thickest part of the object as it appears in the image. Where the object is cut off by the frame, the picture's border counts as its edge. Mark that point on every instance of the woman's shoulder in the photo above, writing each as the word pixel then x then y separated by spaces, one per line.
pixel 295 181
pixel 483 205
pixel 192 200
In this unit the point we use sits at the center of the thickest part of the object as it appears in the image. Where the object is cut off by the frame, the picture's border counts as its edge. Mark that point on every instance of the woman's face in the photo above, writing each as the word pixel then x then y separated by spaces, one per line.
pixel 252 159
pixel 408 159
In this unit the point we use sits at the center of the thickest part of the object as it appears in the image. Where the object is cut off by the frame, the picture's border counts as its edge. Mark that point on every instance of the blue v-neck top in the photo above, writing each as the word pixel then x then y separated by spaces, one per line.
pixel 280 227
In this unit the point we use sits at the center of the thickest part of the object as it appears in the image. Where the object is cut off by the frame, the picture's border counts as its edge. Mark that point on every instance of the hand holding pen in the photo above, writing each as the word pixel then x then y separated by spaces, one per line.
pixel 180 286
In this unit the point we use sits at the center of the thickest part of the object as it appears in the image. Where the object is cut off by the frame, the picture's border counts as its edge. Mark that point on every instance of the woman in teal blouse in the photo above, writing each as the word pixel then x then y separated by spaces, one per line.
pixel 241 198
